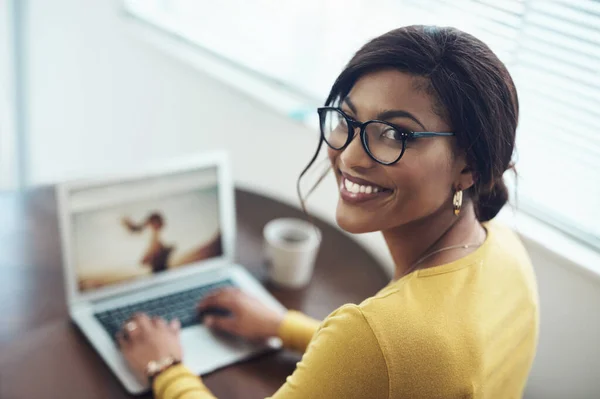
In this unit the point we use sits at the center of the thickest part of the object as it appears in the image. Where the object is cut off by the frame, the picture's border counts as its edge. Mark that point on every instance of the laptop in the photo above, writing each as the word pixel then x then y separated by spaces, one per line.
pixel 155 241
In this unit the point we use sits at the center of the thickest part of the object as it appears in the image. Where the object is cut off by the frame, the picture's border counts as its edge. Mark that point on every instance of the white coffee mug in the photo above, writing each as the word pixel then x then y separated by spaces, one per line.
pixel 291 246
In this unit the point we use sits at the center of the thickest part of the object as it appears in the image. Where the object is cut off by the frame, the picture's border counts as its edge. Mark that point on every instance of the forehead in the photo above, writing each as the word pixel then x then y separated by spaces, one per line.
pixel 390 89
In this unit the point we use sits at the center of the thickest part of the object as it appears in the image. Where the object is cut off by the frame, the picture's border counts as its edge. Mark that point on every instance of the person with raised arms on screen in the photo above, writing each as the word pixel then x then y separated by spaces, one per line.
pixel 157 254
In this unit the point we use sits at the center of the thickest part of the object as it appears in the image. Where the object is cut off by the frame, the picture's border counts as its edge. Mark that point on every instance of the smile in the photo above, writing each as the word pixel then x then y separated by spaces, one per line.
pixel 357 190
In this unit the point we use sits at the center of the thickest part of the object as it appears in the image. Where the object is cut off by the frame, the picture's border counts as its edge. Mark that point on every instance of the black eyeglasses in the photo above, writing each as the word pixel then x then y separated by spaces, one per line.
pixel 383 142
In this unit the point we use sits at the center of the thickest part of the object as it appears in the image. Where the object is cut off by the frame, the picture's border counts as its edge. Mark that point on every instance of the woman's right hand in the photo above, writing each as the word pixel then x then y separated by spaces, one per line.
pixel 250 318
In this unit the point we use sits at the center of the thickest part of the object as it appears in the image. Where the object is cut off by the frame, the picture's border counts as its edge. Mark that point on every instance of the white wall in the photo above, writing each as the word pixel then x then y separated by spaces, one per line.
pixel 567 364
pixel 7 96
pixel 100 99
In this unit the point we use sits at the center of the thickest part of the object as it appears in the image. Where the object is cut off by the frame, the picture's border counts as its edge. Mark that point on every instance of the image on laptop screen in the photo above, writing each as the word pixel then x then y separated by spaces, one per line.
pixel 137 228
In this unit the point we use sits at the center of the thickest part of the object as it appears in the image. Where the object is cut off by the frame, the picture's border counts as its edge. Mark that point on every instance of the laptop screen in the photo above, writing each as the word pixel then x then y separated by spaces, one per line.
pixel 136 228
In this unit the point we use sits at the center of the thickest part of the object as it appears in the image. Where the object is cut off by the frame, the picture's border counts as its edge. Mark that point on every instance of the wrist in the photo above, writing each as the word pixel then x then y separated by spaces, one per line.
pixel 156 367
pixel 274 324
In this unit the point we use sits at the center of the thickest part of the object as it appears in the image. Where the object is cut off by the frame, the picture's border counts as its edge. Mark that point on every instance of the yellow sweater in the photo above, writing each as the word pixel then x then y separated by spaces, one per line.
pixel 466 329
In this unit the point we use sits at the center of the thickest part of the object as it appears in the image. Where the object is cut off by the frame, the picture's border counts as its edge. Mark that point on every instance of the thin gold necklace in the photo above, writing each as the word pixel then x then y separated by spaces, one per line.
pixel 464 246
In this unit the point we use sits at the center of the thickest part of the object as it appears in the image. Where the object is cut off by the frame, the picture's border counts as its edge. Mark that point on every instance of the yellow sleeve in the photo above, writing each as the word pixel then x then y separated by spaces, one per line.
pixel 297 330
pixel 344 360
pixel 179 382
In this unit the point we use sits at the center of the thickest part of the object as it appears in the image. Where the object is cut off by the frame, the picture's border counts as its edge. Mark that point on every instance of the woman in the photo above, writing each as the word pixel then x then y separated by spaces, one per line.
pixel 420 127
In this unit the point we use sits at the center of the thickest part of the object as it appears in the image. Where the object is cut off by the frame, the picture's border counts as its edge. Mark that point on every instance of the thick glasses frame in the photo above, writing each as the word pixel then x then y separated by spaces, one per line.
pixel 354 124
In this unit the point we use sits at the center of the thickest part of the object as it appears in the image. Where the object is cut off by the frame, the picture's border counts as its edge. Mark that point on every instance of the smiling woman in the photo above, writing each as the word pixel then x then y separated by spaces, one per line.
pixel 420 127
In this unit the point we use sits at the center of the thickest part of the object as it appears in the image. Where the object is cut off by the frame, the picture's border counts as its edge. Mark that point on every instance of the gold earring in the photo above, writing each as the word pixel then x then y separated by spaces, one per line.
pixel 457 201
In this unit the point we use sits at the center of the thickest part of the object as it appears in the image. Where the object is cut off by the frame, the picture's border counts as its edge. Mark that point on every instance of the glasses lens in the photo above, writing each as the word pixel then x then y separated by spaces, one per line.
pixel 385 143
pixel 335 128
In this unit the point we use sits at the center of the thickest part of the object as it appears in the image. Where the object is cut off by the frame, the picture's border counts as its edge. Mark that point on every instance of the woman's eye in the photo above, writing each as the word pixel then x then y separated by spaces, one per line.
pixel 393 134
pixel 336 123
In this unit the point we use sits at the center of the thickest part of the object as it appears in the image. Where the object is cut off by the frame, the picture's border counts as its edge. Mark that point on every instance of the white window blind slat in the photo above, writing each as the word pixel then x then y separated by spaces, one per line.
pixel 566 139
pixel 566 13
pixel 573 58
pixel 579 121
pixel 532 33
pixel 588 7
pixel 499 31
pixel 589 113
pixel 580 137
pixel 513 7
pixel 560 75
pixel 564 28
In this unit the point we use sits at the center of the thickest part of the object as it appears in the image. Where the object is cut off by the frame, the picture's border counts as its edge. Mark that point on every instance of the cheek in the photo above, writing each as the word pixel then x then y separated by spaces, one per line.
pixel 422 182
pixel 333 156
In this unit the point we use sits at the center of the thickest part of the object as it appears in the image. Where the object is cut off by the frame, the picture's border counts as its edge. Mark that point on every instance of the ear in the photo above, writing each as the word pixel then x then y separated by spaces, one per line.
pixel 466 175
pixel 466 178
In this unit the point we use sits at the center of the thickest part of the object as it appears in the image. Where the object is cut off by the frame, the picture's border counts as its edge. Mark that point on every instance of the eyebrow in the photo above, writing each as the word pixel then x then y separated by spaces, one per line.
pixel 388 114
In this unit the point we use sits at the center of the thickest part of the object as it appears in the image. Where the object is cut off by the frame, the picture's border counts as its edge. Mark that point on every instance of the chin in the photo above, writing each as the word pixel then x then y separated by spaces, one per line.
pixel 354 222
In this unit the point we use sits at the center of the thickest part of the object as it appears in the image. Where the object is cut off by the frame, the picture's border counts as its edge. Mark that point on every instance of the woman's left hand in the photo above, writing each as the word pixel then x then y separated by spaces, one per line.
pixel 145 339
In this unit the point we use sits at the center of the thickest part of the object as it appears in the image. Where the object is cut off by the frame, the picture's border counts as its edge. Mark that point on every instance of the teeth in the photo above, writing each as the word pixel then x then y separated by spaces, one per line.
pixel 348 184
pixel 358 188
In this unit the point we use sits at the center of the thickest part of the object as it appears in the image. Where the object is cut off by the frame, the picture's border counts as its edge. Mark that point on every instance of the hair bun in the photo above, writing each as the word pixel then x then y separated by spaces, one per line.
pixel 488 204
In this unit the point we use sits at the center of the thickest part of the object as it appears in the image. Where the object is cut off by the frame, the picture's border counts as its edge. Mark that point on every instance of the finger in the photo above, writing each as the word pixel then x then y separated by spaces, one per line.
pixel 122 340
pixel 143 320
pixel 143 324
pixel 210 301
pixel 224 298
pixel 221 323
pixel 131 330
pixel 175 325
pixel 223 292
pixel 159 322
pixel 212 296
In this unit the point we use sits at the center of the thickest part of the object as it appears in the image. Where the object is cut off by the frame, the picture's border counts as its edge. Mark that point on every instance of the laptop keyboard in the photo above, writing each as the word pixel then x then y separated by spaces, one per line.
pixel 180 305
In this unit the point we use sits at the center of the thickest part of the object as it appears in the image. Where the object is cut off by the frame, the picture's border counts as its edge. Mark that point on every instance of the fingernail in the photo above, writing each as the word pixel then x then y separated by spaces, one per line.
pixel 209 321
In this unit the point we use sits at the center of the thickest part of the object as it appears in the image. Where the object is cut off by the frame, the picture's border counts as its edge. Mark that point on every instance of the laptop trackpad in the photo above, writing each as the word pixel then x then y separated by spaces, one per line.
pixel 205 350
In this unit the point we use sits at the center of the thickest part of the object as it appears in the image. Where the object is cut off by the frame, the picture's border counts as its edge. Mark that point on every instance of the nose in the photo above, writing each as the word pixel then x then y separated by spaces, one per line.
pixel 355 155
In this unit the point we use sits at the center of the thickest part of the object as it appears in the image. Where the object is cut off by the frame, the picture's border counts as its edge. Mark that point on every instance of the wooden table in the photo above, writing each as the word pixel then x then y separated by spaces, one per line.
pixel 42 355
